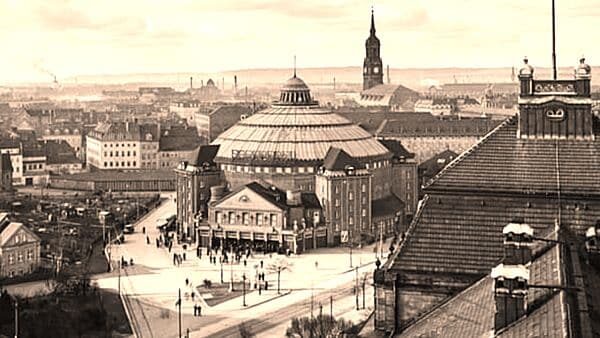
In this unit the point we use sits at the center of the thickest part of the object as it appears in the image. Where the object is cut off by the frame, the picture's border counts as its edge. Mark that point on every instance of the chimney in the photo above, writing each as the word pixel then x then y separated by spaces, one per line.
pixel 592 244
pixel 191 82
pixel 583 74
pixel 235 84
pixel 526 78
pixel 518 239
pixel 510 294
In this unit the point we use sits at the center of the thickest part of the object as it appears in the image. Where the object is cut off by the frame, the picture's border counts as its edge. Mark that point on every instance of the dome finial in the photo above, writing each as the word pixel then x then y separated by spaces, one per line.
pixel 294 65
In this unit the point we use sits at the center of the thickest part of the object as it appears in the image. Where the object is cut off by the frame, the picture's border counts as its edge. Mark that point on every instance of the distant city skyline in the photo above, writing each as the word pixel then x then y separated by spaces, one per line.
pixel 68 38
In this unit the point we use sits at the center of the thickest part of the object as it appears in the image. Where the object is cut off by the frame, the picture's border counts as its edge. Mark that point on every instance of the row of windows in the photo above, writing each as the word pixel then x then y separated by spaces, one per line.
pixel 278 170
pixel 363 188
pixel 19 257
pixel 378 164
pixel 34 166
pixel 246 218
pixel 116 145
pixel 337 214
pixel 116 153
pixel 148 156
pixel 116 164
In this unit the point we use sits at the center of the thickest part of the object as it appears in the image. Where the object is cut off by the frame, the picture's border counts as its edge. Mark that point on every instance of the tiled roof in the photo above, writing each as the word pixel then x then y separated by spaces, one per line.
pixel 273 194
pixel 337 159
pixel 388 89
pixel 436 163
pixel 397 149
pixel 205 154
pixel 425 124
pixel 109 176
pixel 179 138
pixel 59 152
pixel 310 200
pixel 12 229
pixel 501 162
pixel 231 109
pixel 463 234
pixel 471 312
pixel 387 206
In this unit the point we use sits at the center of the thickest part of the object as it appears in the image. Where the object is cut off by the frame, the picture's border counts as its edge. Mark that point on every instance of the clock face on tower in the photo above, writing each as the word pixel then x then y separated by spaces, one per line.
pixel 376 70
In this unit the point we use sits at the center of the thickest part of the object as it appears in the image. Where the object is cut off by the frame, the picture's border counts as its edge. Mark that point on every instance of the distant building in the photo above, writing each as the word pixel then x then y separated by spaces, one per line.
pixel 123 146
pixel 185 109
pixel 12 146
pixel 61 158
pixel 177 143
pixel 34 163
pixel 6 172
pixel 427 135
pixel 213 121
pixel 70 133
pixel 437 106
pixel 19 250
pixel 375 93
pixel 208 92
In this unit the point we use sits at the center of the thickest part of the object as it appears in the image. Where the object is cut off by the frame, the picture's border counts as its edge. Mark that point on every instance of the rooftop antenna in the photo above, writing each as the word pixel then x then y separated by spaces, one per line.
pixel 554 41
pixel 294 65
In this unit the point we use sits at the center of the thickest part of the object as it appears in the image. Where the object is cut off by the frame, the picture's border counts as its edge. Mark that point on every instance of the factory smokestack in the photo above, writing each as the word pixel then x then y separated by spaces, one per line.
pixel 191 82
pixel 235 84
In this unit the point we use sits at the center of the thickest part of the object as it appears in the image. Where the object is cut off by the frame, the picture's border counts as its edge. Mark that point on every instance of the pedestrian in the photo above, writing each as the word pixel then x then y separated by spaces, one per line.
pixel 169 248
pixel 144 230
pixel 198 252
pixel 245 262
pixel 147 239
pixel 316 264
pixel 184 255
pixel 174 259
pixel 157 243
pixel 195 310
pixel 199 311
pixel 187 282
pixel 193 294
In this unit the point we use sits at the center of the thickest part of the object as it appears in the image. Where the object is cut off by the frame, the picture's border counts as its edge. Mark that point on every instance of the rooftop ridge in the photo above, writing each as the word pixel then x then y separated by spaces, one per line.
pixel 467 152
pixel 390 261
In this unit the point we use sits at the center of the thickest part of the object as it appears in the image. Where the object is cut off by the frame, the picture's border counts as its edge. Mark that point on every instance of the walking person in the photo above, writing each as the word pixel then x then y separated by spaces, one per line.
pixel 144 230
pixel 147 239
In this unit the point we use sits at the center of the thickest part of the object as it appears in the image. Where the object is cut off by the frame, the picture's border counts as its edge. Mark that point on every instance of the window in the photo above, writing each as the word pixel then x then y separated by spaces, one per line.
pixel 301 170
pixel 337 214
pixel 364 200
pixel 20 256
pixel 231 217
pixel 273 220
pixel 128 153
pixel 134 164
pixel 105 154
pixel 279 170
pixel 259 218
pixel 218 217
pixel 311 169
pixel 337 189
pixel 364 188
pixel 128 163
pixel 29 255
pixel 350 196
pixel 11 259
pixel 337 202
pixel 350 220
pixel 17 239
pixel 105 164
pixel 288 170
pixel 134 153
pixel 122 163
pixel 122 154
pixel 364 212
pixel 246 218
pixel 266 170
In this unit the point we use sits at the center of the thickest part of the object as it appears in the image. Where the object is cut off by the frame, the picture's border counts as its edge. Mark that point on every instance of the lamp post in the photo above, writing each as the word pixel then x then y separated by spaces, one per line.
pixel 179 305
pixel 231 289
pixel 350 243
pixel 244 289
pixel 221 261
pixel 16 318
pixel 356 288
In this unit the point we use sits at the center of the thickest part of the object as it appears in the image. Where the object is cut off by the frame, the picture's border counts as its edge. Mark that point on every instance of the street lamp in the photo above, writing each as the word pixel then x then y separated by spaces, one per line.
pixel 221 261
pixel 244 289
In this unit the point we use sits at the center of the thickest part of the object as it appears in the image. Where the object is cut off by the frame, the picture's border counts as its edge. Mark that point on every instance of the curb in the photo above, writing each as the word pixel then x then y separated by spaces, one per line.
pixel 268 300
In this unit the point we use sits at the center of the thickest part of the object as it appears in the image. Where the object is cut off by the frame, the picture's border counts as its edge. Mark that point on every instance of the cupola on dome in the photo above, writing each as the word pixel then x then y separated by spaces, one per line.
pixel 295 92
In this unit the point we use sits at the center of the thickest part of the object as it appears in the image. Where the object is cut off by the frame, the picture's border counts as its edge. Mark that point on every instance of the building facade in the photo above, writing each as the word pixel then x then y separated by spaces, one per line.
pixel 19 251
pixel 6 172
pixel 194 182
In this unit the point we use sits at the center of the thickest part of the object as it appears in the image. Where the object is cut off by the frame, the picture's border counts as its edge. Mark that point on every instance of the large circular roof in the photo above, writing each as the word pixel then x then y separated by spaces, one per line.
pixel 295 129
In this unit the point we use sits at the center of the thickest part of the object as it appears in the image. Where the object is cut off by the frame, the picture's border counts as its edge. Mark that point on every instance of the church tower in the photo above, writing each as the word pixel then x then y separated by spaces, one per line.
pixel 372 67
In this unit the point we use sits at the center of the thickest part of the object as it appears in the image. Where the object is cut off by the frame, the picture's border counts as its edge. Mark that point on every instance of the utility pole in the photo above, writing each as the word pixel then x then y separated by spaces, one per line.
pixel 356 288
pixel 350 243
pixel 363 290
pixel 16 318
pixel 179 305
pixel 221 261
pixel 331 306
pixel 119 279
pixel 554 71
pixel 231 289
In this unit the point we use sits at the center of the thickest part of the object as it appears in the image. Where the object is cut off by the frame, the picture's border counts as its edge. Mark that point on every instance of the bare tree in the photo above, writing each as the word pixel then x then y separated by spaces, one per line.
pixel 279 265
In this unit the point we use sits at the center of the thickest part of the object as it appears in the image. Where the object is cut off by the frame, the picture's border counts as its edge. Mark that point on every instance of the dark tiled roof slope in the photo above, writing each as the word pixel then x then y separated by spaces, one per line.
pixel 462 234
pixel 471 312
pixel 337 159
pixel 501 162
pixel 429 125
pixel 205 154
pixel 386 206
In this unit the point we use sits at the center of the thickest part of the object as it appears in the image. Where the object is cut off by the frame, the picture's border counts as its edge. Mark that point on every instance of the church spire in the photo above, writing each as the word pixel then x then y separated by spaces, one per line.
pixel 372 21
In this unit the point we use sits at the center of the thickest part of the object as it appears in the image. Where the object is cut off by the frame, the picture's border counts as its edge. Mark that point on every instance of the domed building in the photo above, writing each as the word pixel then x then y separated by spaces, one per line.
pixel 284 145
pixel 300 176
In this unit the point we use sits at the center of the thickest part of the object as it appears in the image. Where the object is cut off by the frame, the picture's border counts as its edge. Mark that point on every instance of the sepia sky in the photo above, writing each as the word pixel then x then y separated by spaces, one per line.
pixel 68 38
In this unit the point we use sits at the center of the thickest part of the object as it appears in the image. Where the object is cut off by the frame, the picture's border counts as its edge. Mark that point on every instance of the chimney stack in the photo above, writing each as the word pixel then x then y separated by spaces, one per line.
pixel 518 239
pixel 510 294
